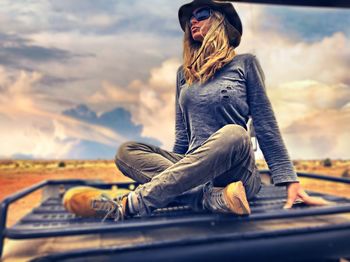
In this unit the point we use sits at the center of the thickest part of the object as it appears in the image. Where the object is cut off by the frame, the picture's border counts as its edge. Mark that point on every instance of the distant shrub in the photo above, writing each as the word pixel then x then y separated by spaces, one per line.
pixel 327 162
pixel 295 162
pixel 346 173
pixel 61 164
pixel 6 162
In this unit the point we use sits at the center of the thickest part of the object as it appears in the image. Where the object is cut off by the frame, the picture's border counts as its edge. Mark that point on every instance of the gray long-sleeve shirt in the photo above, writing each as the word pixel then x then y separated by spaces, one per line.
pixel 236 92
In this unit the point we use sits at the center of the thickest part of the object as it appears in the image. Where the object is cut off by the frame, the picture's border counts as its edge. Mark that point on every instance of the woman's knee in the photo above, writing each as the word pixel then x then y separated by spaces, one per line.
pixel 233 134
pixel 123 152
pixel 123 159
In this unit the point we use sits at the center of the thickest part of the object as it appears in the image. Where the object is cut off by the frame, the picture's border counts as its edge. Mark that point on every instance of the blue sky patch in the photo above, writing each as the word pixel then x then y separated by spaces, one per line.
pixel 310 24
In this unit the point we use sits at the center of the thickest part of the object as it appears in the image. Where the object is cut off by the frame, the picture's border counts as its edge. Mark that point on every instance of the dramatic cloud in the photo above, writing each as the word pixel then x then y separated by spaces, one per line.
pixel 117 119
pixel 296 100
pixel 29 130
pixel 152 103
pixel 58 55
pixel 324 133
pixel 307 82
pixel 14 50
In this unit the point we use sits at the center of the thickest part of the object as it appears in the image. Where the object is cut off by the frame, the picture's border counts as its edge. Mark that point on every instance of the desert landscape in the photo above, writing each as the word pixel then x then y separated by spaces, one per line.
pixel 19 174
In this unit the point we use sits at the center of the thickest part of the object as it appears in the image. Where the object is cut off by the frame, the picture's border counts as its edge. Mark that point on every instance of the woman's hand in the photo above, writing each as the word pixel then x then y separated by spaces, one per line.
pixel 296 192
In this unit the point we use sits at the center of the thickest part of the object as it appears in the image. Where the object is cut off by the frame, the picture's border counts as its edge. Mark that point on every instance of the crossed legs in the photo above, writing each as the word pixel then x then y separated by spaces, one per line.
pixel 226 156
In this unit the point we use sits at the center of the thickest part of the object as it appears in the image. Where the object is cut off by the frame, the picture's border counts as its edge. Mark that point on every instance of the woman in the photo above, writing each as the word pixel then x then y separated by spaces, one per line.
pixel 212 165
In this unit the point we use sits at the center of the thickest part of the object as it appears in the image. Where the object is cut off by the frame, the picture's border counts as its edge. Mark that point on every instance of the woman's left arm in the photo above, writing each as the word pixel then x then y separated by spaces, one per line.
pixel 265 125
pixel 269 136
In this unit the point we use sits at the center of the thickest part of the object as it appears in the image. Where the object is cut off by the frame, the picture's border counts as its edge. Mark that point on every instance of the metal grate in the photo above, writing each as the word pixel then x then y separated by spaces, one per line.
pixel 50 219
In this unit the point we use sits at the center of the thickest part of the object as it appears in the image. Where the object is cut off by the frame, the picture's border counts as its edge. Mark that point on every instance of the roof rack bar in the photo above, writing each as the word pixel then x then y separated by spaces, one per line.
pixel 16 196
pixel 90 252
pixel 315 176
pixel 325 177
pixel 206 218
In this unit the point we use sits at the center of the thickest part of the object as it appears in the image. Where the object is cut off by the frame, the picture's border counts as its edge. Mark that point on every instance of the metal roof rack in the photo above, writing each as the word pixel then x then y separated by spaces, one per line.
pixel 50 219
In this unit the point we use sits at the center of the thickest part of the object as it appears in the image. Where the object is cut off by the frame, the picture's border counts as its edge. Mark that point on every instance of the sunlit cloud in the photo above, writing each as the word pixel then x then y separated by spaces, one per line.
pixel 29 130
pixel 57 55
pixel 324 133
pixel 152 103
pixel 308 85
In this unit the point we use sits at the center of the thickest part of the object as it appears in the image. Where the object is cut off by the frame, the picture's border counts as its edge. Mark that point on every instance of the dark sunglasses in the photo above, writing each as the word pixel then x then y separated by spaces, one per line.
pixel 201 14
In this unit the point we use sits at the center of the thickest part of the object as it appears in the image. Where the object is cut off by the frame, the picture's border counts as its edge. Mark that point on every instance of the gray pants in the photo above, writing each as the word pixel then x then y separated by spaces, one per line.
pixel 226 156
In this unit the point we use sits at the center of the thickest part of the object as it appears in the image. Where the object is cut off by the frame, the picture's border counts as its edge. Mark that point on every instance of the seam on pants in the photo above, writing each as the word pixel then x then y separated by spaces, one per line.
pixel 133 169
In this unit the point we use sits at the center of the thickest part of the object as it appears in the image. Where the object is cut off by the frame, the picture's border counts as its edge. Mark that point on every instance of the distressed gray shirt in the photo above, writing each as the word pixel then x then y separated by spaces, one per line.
pixel 236 92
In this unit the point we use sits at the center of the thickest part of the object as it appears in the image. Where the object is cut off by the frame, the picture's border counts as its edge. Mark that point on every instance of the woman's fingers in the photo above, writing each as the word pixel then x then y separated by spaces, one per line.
pixel 316 201
pixel 297 194
pixel 289 203
pixel 292 191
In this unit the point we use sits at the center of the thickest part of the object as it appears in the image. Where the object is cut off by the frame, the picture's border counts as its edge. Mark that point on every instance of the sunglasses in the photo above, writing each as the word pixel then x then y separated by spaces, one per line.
pixel 201 14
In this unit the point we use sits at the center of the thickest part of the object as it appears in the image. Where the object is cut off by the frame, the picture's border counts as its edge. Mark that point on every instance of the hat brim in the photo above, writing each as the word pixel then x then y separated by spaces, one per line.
pixel 185 12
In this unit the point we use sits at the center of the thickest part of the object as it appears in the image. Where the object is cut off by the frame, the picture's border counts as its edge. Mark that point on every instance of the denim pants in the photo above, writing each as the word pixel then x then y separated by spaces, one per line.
pixel 166 177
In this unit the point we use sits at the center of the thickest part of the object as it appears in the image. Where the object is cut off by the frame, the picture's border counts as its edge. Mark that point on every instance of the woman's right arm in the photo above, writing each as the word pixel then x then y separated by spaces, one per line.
pixel 181 137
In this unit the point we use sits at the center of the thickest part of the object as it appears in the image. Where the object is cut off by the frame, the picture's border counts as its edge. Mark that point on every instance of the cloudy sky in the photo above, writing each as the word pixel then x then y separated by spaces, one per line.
pixel 78 78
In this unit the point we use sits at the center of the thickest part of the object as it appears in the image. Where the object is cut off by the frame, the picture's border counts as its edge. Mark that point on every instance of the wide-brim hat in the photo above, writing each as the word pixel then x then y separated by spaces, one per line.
pixel 234 27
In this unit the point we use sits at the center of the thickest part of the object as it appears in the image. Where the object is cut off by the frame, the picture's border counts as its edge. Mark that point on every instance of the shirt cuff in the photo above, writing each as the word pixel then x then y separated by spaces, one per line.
pixel 285 179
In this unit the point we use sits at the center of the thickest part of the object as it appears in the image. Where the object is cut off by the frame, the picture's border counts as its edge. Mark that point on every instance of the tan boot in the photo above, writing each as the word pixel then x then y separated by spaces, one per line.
pixel 88 201
pixel 231 199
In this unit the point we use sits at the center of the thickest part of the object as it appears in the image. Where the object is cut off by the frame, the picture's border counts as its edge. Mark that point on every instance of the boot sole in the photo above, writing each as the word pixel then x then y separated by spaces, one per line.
pixel 79 200
pixel 237 199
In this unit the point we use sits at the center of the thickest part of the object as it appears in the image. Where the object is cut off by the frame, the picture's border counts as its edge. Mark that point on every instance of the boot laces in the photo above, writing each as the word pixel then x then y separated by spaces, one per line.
pixel 213 198
pixel 112 208
pixel 218 197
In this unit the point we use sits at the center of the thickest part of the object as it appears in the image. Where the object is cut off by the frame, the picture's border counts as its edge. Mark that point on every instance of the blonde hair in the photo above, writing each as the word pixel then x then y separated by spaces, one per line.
pixel 215 50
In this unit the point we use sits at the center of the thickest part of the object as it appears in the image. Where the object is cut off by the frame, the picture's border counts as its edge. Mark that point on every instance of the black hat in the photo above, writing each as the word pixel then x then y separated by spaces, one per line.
pixel 234 27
